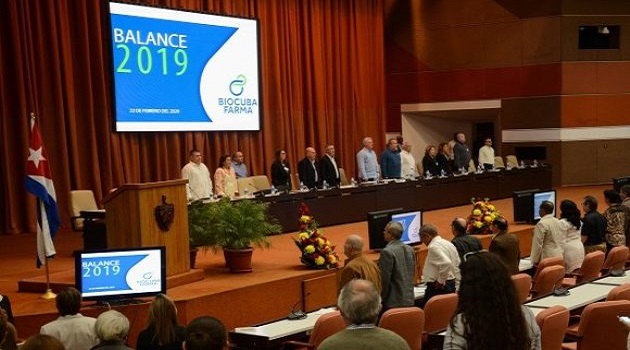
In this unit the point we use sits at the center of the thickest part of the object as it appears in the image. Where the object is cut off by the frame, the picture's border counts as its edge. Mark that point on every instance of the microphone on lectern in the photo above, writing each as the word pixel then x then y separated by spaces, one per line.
pixel 298 314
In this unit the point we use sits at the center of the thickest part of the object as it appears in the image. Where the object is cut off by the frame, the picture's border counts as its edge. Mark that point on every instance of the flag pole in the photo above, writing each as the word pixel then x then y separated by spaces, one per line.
pixel 48 295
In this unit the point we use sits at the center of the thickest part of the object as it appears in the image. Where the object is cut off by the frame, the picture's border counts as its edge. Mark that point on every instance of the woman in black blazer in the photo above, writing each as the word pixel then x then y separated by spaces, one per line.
pixel 281 171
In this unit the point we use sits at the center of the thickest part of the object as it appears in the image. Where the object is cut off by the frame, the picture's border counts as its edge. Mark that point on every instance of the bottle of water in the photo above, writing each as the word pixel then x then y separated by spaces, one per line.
pixel 427 174
pixel 353 182
pixel 442 173
pixel 303 187
pixel 325 185
pixel 273 189
pixel 522 164
pixel 535 164
pixel 480 168
pixel 246 192
pixel 378 174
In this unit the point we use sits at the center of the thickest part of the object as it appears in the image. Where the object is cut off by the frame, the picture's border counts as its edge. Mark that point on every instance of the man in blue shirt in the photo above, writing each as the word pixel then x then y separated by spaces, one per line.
pixel 390 160
pixel 239 166
pixel 367 162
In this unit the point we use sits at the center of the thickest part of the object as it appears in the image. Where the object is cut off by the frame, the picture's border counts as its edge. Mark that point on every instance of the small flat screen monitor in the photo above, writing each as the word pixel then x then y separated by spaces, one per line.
pixel 411 222
pixel 120 273
pixel 541 196
pixel 377 220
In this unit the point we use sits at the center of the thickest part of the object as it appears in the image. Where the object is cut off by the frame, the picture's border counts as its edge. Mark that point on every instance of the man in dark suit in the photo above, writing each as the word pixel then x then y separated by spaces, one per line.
pixel 397 265
pixel 505 245
pixel 464 242
pixel 307 169
pixel 328 167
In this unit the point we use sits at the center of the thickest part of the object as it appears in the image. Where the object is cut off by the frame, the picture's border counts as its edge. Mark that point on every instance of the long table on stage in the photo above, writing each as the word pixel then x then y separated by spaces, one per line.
pixel 350 204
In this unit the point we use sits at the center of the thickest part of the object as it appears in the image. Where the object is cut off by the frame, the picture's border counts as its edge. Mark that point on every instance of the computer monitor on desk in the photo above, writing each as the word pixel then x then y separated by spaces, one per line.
pixel 540 197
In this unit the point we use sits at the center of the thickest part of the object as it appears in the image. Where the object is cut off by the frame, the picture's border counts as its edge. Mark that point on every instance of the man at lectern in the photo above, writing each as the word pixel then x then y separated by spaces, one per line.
pixel 198 175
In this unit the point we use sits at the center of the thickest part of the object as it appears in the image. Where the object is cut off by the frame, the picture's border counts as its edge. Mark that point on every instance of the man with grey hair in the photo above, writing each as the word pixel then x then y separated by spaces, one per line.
pixel 328 167
pixel 112 329
pixel 397 264
pixel 441 268
pixel 308 169
pixel 367 162
pixel 360 305
pixel 358 266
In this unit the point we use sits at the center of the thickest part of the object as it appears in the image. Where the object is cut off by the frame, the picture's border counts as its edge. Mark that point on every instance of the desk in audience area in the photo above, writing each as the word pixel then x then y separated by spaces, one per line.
pixel 344 205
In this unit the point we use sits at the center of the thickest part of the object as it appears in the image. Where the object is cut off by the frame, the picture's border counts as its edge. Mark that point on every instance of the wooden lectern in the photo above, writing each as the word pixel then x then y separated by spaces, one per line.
pixel 131 220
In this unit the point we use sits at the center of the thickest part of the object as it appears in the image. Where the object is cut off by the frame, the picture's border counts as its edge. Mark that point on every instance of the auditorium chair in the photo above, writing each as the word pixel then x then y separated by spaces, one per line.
pixel 590 269
pixel 246 183
pixel 599 327
pixel 621 292
pixel 553 324
pixel 553 261
pixel 438 312
pixel 343 178
pixel 523 284
pixel 498 162
pixel 511 161
pixel 407 322
pixel 325 326
pixel 616 260
pixel 548 279
pixel 78 201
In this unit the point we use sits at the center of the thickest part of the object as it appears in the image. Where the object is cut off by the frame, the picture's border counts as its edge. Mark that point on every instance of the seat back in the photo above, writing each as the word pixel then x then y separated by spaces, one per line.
pixel 511 161
pixel 343 178
pixel 599 327
pixel 261 182
pixel 553 323
pixel 591 267
pixel 498 162
pixel 325 326
pixel 616 259
pixel 407 322
pixel 523 284
pixel 438 311
pixel 621 292
pixel 246 183
pixel 548 279
pixel 553 261
pixel 79 200
pixel 471 166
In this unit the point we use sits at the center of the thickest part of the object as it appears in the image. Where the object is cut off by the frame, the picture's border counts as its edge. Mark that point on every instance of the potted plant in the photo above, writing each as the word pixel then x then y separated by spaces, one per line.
pixel 236 227
pixel 199 232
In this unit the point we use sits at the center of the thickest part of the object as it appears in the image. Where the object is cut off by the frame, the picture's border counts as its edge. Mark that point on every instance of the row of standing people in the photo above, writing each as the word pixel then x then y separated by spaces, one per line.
pixel 396 162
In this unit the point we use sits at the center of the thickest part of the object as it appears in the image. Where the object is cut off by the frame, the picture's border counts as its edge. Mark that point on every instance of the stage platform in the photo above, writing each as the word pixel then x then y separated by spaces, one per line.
pixel 277 283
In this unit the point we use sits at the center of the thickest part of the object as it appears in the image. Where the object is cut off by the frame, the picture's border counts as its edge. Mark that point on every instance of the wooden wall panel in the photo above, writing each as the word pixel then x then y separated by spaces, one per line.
pixel 613 159
pixel 578 162
pixel 502 46
pixel 605 77
pixel 579 77
pixel 613 110
pixel 589 7
pixel 541 40
pixel 527 113
pixel 578 111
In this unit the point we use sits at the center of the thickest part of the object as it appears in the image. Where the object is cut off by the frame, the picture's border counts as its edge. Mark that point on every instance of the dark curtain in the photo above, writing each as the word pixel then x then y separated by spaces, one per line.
pixel 322 81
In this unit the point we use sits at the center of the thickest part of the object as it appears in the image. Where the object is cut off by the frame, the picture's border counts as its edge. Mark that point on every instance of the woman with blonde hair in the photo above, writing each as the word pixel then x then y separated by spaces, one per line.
pixel 163 331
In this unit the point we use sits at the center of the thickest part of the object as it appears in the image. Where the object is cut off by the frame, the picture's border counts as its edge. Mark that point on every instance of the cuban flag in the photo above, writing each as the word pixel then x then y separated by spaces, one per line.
pixel 39 183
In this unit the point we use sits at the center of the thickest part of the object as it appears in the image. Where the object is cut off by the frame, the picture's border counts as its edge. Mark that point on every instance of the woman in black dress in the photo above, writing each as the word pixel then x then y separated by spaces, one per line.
pixel 281 171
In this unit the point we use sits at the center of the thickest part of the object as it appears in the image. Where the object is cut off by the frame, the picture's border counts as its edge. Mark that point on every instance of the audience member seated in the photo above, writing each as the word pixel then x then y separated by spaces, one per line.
pixel 593 227
pixel 43 342
pixel 464 242
pixel 441 268
pixel 163 331
pixel 5 304
pixel 358 266
pixel 74 330
pixel 112 329
pixel 571 223
pixel 397 264
pixel 360 304
pixel 505 245
pixel 548 237
pixel 205 333
pixel 489 314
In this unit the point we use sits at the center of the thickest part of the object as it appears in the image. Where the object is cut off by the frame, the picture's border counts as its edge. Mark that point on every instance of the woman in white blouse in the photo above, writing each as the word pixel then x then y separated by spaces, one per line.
pixel 225 178
pixel 573 247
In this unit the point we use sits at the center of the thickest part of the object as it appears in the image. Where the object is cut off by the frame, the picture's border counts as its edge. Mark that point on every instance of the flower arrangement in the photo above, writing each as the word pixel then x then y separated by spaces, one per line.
pixel 481 217
pixel 317 251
